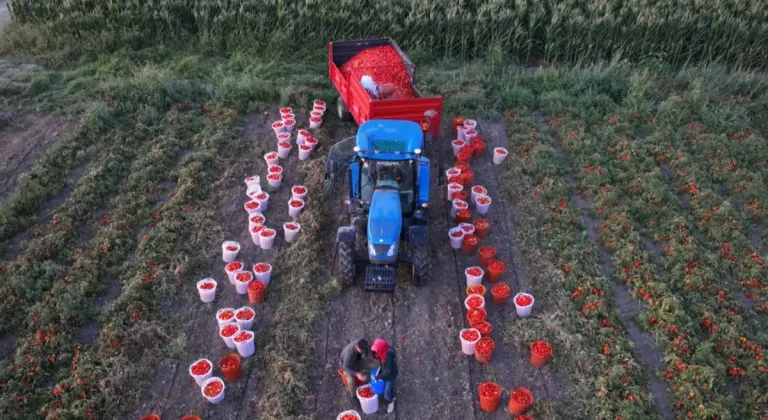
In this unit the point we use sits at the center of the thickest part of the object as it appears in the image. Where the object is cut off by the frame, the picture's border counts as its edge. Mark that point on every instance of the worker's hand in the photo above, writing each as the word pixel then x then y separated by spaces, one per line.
pixel 361 376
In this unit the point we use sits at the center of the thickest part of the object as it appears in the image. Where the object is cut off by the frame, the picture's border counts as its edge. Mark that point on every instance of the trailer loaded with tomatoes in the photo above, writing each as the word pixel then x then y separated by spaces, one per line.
pixel 392 73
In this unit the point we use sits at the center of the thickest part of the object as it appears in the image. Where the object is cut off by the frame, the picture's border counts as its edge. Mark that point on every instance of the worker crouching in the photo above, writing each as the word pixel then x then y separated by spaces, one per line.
pixel 356 362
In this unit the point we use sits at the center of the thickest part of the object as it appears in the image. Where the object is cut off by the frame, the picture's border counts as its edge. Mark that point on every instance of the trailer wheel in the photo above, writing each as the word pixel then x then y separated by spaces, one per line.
pixel 420 263
pixel 342 110
pixel 347 263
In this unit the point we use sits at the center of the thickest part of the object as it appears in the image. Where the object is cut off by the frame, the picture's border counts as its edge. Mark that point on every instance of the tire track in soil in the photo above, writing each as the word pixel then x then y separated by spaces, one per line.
pixel 435 380
pixel 420 322
pixel 646 349
pixel 353 314
pixel 508 367
pixel 174 393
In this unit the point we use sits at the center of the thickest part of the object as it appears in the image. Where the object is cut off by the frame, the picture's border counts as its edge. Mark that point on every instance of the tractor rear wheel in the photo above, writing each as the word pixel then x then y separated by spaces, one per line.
pixel 347 263
pixel 420 262
pixel 342 110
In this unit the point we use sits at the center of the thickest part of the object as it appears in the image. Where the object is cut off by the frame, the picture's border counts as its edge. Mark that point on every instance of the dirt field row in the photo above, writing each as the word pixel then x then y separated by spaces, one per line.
pixel 436 381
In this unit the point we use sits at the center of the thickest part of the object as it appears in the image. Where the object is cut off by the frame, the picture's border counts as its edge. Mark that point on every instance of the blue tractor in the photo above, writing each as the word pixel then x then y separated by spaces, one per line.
pixel 387 202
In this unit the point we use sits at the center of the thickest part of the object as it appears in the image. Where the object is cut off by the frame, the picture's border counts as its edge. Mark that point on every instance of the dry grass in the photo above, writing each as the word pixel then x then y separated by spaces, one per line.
pixel 301 294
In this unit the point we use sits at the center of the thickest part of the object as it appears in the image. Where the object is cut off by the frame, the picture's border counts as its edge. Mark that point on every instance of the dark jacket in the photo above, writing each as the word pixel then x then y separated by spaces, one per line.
pixel 350 359
pixel 388 370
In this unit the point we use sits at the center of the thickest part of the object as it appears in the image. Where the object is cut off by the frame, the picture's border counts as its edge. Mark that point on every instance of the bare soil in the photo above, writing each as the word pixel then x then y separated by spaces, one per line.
pixel 5 14
pixel 23 140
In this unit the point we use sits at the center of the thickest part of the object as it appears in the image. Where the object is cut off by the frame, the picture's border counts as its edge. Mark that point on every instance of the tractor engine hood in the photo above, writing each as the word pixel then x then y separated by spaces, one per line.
pixel 385 219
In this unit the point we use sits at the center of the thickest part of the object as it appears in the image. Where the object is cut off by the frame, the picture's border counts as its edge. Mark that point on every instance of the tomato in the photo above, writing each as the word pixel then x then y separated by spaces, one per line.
pixel 257 286
pixel 470 240
pixel 228 362
pixel 502 290
pixel 484 327
pixel 489 390
pixel 244 276
pixel 213 388
pixel 245 314
pixel 523 300
pixel 476 315
pixel 365 392
pixel 476 290
pixel 474 301
pixel 201 367
pixel 243 336
pixel 226 315
pixel 475 271
pixel 470 335
pixel 485 346
pixel 229 330
pixel 542 348
pixel 521 398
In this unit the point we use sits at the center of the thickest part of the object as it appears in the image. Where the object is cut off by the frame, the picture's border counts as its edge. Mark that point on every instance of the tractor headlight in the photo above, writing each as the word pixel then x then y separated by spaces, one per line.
pixel 371 249
pixel 392 250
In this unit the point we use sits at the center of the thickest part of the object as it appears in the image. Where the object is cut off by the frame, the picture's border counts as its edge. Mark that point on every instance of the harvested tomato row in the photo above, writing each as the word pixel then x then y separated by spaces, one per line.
pixel 722 223
pixel 83 366
pixel 682 278
pixel 613 364
pixel 48 178
pixel 618 234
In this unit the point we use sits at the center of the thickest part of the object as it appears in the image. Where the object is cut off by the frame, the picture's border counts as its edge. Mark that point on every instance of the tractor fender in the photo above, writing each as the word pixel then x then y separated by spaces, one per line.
pixel 345 234
pixel 417 234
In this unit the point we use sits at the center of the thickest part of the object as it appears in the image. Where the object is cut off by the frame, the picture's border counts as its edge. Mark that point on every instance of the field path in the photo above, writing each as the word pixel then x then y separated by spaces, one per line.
pixel 436 380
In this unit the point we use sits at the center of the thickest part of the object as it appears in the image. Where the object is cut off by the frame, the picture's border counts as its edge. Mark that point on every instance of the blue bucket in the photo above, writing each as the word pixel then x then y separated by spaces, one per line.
pixel 377 386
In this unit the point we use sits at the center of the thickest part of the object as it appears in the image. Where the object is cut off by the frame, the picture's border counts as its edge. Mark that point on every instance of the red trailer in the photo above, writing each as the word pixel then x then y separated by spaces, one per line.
pixel 356 103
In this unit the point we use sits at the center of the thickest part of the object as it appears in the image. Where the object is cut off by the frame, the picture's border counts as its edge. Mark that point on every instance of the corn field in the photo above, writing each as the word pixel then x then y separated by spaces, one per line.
pixel 678 31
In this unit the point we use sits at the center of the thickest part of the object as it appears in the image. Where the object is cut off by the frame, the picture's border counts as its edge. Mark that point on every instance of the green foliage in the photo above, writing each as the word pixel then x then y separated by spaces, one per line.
pixel 578 31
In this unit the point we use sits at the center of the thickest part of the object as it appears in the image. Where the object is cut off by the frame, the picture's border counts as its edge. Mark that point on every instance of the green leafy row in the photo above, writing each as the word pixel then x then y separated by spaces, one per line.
pixel 565 30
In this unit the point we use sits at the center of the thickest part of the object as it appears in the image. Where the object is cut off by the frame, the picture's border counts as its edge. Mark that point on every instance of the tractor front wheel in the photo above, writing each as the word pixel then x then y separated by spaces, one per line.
pixel 347 263
pixel 342 110
pixel 420 262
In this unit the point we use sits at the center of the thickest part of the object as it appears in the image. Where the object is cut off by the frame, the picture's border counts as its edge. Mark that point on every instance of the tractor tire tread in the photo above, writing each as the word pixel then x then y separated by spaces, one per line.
pixel 342 110
pixel 347 263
